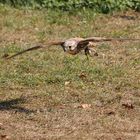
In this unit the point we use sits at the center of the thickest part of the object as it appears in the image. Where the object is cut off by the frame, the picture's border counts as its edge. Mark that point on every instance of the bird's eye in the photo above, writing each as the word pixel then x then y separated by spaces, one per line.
pixel 69 47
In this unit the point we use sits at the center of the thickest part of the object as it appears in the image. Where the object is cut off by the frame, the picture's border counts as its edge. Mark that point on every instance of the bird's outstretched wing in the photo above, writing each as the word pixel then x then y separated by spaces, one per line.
pixel 102 39
pixel 35 48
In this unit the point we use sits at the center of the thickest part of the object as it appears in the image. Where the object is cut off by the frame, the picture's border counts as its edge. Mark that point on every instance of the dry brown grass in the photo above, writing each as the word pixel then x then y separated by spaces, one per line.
pixel 50 95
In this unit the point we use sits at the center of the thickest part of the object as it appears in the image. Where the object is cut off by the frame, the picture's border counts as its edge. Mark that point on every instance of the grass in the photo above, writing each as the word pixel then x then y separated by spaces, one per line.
pixel 33 89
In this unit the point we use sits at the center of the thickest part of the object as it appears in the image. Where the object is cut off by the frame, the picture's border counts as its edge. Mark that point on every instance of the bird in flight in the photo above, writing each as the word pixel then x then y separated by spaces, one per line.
pixel 74 45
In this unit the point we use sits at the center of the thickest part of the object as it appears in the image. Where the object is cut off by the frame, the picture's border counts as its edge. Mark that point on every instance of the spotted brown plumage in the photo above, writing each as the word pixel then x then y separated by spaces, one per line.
pixel 74 45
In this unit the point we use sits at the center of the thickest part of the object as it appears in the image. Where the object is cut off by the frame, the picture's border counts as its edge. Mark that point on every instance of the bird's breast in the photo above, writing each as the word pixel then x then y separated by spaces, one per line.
pixel 73 52
pixel 71 43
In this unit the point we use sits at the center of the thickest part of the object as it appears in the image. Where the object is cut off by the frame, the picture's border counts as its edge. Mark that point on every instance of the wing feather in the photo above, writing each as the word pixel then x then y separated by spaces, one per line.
pixel 102 39
pixel 36 48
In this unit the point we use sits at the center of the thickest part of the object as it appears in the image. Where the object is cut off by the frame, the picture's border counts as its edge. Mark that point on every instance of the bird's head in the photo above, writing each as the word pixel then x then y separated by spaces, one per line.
pixel 70 45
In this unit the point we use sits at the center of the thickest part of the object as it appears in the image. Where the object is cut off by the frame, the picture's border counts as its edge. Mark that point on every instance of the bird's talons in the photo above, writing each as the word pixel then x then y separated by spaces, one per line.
pixel 96 54
pixel 91 52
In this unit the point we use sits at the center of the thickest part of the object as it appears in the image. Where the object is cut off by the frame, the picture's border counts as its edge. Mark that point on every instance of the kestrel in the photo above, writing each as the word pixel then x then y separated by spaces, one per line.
pixel 74 45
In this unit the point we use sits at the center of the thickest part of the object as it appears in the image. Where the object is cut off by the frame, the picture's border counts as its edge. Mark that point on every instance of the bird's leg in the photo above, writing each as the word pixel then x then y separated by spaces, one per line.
pixel 90 52
pixel 87 52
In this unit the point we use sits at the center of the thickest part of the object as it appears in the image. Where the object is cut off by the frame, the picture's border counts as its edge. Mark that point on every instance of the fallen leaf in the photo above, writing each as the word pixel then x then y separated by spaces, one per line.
pixel 86 106
pixel 82 75
pixel 67 83
pixel 128 104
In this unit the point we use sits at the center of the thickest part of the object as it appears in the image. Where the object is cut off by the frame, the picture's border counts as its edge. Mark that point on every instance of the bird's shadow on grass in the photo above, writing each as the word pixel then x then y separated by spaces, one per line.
pixel 14 105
